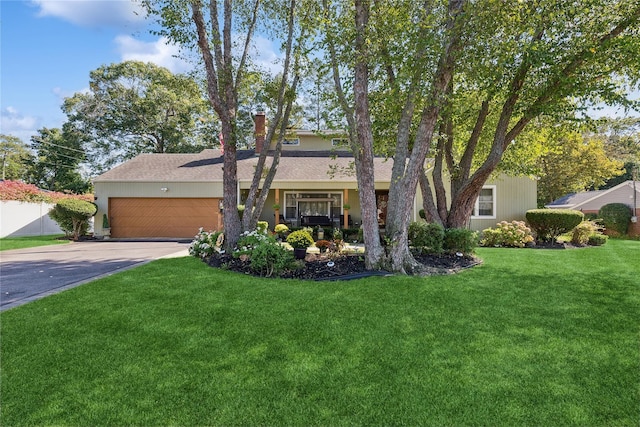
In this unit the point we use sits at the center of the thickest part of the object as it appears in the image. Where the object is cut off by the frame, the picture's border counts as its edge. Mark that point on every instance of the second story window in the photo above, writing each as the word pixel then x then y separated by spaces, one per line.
pixel 291 141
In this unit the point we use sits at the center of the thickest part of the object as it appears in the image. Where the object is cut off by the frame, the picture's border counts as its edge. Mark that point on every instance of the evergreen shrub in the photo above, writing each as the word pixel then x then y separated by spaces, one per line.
pixel 616 217
pixel 72 215
pixel 426 237
pixel 460 240
pixel 548 224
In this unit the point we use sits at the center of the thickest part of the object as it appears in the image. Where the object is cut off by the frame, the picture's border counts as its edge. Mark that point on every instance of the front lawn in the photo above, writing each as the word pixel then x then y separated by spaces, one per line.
pixel 8 243
pixel 531 337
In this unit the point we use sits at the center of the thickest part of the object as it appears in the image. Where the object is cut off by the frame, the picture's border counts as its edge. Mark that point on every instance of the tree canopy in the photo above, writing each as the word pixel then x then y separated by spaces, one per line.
pixel 135 107
pixel 56 165
pixel 15 155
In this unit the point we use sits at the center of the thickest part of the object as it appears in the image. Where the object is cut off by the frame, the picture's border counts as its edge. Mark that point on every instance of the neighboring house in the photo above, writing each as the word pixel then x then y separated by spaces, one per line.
pixel 627 193
pixel 173 195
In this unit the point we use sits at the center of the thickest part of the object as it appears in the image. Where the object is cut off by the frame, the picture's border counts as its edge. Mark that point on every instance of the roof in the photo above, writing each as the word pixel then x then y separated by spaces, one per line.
pixel 206 166
pixel 578 200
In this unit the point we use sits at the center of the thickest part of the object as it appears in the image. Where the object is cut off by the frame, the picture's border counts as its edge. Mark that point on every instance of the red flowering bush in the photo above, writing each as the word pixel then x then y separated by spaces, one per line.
pixel 22 192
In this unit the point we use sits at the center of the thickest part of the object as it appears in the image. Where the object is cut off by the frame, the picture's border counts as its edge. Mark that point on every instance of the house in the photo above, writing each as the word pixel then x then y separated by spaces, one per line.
pixel 590 202
pixel 173 195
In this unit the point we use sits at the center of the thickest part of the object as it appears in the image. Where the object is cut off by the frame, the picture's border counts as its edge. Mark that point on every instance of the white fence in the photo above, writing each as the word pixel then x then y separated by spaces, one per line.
pixel 26 219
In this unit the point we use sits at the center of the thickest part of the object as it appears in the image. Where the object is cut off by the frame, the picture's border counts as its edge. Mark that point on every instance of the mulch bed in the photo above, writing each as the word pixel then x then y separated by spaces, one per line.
pixel 346 267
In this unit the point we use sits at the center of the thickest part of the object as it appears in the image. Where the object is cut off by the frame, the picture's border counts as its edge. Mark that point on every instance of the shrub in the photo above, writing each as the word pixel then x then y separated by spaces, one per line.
pixel 269 258
pixel 616 217
pixel 513 234
pixel 426 237
pixel 300 239
pixel 248 241
pixel 206 243
pixel 460 240
pixel 22 192
pixel 281 229
pixel 262 227
pixel 548 224
pixel 597 239
pixel 581 233
pixel 72 216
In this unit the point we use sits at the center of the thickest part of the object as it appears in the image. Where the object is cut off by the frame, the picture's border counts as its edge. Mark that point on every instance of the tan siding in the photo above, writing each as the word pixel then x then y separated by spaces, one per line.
pixel 514 197
pixel 115 189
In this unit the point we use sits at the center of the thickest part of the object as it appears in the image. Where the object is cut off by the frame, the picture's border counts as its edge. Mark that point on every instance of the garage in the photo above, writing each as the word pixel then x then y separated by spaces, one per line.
pixel 162 217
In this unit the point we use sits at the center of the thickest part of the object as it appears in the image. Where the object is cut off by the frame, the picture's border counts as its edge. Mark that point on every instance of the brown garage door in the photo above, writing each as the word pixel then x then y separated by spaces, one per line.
pixel 152 217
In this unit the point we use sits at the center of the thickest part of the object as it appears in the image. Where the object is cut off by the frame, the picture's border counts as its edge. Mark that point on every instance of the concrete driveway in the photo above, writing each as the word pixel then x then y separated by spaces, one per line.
pixel 30 274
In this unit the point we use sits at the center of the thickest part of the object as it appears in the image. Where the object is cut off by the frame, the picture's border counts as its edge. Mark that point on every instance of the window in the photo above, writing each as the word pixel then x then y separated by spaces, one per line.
pixel 298 204
pixel 486 203
pixel 291 141
pixel 339 142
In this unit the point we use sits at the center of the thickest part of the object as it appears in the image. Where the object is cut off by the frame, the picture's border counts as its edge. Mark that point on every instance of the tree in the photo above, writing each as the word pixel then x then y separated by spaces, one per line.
pixel 56 165
pixel 577 163
pixel 135 107
pixel 473 75
pixel 622 142
pixel 15 157
pixel 203 26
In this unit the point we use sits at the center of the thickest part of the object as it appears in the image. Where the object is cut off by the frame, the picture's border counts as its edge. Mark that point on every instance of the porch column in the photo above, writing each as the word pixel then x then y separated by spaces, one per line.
pixel 277 202
pixel 345 201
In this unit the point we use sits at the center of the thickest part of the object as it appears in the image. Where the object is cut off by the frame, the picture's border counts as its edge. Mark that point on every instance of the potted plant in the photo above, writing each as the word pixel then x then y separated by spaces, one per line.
pixel 346 206
pixel 323 245
pixel 276 206
pixel 300 240
pixel 281 230
pixel 106 229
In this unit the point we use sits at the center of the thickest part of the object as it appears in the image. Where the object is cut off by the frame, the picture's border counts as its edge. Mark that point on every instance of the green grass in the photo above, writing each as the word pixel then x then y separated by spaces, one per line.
pixel 8 243
pixel 531 337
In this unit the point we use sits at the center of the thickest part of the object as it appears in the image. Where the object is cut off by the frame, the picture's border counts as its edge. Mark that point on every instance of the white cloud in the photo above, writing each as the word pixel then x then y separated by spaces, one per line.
pixel 160 52
pixel 94 13
pixel 12 122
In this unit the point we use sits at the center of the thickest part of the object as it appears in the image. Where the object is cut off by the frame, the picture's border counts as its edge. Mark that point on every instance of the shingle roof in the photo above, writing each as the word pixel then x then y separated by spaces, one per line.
pixel 206 166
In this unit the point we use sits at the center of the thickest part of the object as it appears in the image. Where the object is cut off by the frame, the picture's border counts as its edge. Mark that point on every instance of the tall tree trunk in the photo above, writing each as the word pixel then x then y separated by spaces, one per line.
pixel 364 151
pixel 404 185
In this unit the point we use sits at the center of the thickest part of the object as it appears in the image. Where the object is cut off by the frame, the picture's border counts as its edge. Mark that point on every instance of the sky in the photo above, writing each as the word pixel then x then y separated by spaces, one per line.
pixel 49 47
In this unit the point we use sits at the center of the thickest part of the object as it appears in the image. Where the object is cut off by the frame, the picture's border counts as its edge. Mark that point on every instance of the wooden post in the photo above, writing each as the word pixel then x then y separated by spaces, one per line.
pixel 346 211
pixel 277 202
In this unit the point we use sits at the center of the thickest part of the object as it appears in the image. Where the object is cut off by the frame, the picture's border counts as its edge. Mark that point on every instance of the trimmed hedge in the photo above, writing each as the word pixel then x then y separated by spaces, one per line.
pixel 616 217
pixel 72 216
pixel 426 237
pixel 548 224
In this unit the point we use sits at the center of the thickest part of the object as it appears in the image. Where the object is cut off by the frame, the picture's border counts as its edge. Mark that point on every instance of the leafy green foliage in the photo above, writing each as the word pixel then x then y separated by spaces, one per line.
pixel 205 244
pixel 135 107
pixel 575 163
pixel 300 239
pixel 597 239
pixel 56 165
pixel 426 237
pixel 582 233
pixel 616 217
pixel 460 240
pixel 269 258
pixel 72 216
pixel 15 156
pixel 548 224
pixel 514 234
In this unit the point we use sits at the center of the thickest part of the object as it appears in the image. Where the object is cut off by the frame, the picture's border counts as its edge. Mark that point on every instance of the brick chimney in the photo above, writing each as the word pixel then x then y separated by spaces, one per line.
pixel 260 130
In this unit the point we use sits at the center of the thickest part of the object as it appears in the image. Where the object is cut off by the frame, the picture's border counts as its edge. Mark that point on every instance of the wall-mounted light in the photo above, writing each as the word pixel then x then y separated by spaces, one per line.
pixel 164 189
pixel 221 205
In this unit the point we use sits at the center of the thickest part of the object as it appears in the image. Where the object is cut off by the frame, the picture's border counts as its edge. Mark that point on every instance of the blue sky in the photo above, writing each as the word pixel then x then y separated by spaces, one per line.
pixel 48 48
